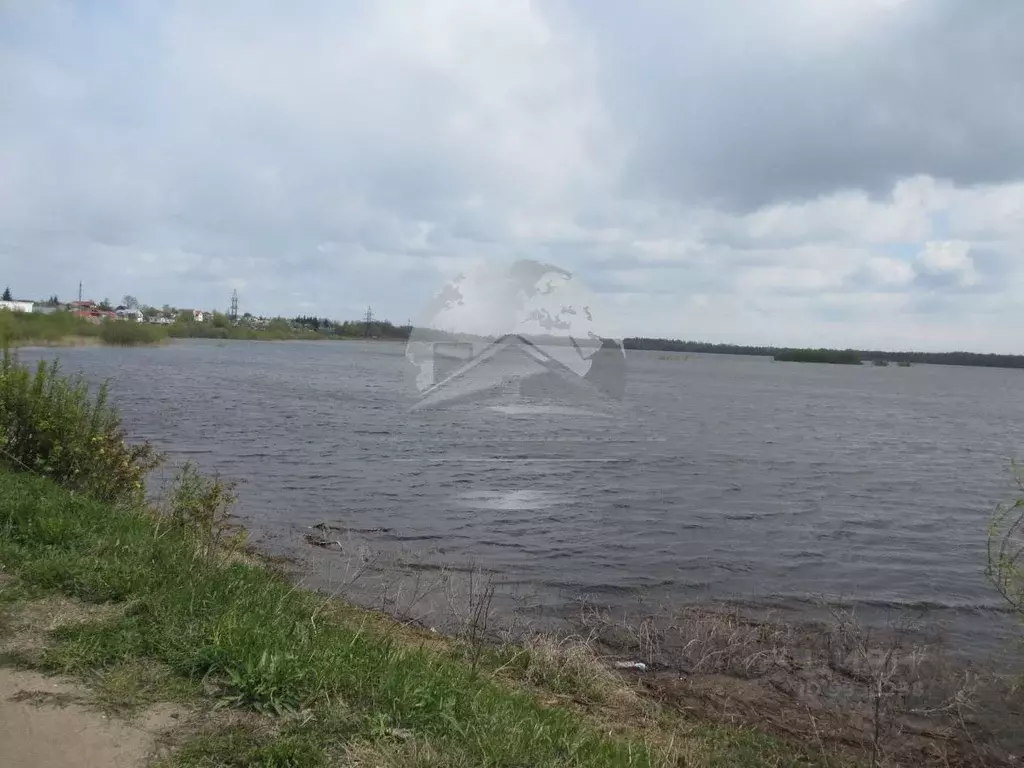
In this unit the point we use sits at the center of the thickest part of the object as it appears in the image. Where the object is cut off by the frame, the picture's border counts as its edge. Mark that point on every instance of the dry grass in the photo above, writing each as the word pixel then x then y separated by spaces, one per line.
pixel 402 753
pixel 62 342
pixel 28 624
pixel 570 667
pixel 888 696
pixel 839 688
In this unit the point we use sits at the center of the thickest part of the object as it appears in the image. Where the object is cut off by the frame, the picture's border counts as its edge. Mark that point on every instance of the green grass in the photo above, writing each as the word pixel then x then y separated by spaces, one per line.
pixel 253 636
pixel 256 745
pixel 255 642
pixel 278 330
pixel 25 328
pixel 128 333
pixel 60 328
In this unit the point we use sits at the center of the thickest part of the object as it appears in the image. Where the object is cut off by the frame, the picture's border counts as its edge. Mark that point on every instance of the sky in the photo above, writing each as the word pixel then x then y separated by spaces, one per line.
pixel 799 173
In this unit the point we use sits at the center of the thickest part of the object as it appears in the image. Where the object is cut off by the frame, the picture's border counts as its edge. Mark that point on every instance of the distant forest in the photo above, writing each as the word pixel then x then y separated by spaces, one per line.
pixel 383 329
pixel 931 358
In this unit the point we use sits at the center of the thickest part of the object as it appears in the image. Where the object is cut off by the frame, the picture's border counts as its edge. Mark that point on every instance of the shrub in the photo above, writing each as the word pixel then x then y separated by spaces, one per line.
pixel 126 333
pixel 200 508
pixel 1006 554
pixel 52 425
pixel 28 327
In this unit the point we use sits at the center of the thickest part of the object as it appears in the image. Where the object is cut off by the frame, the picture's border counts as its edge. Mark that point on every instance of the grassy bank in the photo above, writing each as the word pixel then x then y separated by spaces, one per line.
pixel 280 330
pixel 20 329
pixel 324 681
pixel 123 333
pixel 247 638
pixel 275 331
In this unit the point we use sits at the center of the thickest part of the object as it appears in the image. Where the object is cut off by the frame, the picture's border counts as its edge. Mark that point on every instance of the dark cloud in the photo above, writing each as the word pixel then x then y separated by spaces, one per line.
pixel 746 104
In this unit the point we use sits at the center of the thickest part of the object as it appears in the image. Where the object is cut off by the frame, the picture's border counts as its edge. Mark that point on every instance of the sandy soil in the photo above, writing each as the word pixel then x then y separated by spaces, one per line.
pixel 42 725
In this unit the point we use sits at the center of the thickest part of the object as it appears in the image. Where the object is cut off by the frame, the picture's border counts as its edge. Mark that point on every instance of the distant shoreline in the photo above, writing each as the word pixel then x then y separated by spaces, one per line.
pixel 68 342
pixel 91 342
pixel 968 359
pixel 64 330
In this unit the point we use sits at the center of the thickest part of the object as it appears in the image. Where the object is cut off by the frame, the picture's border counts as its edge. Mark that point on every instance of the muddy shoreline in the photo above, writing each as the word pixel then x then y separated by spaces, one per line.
pixel 900 692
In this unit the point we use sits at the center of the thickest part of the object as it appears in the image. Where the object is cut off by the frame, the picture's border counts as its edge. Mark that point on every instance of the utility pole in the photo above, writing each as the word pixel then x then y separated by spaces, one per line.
pixel 369 319
pixel 234 305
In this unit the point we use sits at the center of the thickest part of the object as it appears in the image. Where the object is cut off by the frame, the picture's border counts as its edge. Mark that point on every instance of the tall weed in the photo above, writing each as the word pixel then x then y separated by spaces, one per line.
pixel 200 508
pixel 1005 563
pixel 52 425
pixel 128 333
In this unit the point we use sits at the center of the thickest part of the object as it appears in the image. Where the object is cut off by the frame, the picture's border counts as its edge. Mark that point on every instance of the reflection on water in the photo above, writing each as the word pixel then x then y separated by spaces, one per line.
pixel 512 500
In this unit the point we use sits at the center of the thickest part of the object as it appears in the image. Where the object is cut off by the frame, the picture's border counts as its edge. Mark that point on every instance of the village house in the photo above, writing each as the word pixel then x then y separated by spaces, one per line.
pixel 17 305
pixel 129 313
pixel 91 311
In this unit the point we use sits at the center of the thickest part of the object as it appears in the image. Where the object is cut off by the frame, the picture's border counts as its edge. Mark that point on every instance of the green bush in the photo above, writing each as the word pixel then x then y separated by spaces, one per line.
pixel 1006 554
pixel 276 330
pixel 128 333
pixel 199 507
pixel 28 327
pixel 53 425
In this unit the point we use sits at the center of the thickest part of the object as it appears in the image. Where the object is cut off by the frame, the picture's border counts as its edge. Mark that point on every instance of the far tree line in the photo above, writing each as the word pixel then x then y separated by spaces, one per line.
pixel 928 358
pixel 381 328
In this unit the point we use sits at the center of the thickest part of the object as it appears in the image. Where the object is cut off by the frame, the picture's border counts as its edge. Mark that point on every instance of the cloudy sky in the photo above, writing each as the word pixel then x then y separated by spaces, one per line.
pixel 826 172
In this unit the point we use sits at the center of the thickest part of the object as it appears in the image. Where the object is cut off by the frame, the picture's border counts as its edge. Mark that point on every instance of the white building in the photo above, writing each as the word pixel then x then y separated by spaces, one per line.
pixel 130 314
pixel 17 306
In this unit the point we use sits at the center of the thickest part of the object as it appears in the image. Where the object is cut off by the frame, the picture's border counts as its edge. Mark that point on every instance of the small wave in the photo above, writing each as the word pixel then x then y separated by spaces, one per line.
pixel 413 537
pixel 604 588
pixel 917 606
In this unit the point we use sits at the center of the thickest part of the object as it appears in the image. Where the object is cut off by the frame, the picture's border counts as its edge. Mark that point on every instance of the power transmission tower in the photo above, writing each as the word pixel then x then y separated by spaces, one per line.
pixel 369 319
pixel 234 305
pixel 79 291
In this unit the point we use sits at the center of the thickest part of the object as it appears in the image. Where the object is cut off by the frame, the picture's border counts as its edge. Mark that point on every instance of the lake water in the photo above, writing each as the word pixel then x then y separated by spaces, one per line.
pixel 717 478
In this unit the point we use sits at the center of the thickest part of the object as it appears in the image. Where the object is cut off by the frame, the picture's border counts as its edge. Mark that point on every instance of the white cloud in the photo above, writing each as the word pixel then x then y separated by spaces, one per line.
pixel 851 215
pixel 988 212
pixel 889 271
pixel 949 258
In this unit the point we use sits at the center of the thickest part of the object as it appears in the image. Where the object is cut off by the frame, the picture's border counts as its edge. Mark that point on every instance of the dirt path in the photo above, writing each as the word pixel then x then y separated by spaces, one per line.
pixel 42 725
